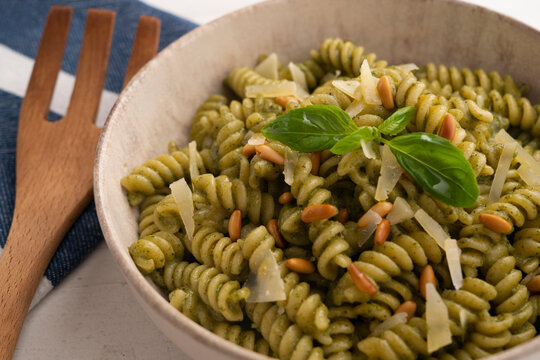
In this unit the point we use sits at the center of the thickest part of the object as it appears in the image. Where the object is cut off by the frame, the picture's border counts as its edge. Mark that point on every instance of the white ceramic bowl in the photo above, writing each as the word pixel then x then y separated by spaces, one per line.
pixel 158 104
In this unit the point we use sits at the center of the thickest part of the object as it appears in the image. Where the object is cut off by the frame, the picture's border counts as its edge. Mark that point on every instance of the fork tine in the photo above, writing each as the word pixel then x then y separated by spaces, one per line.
pixel 145 45
pixel 92 66
pixel 48 61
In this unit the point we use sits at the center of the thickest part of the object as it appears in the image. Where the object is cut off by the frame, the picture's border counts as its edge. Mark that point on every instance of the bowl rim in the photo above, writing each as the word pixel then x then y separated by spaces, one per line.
pixel 135 278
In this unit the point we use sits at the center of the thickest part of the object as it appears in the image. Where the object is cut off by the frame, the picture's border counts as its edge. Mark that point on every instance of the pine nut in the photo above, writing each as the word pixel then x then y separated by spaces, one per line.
pixel 300 266
pixel 408 307
pixel 273 229
pixel 315 162
pixel 382 208
pixel 382 232
pixel 285 198
pixel 362 282
pixel 283 101
pixel 448 127
pixel 427 276
pixel 534 284
pixel 269 154
pixel 343 216
pixel 235 225
pixel 248 150
pixel 385 93
pixel 495 223
pixel 318 212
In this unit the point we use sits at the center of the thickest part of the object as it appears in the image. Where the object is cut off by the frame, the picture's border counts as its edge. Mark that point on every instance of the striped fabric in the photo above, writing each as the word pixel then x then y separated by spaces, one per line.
pixel 21 24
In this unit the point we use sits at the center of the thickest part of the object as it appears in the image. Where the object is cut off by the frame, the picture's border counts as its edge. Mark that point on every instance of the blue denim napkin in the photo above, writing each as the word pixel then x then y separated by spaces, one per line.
pixel 21 25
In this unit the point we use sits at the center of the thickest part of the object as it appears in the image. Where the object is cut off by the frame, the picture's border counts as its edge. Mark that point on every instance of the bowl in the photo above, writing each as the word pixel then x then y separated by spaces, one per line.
pixel 160 101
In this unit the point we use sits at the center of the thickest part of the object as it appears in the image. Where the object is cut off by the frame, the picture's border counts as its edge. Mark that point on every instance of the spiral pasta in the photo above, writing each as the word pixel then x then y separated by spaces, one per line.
pixel 457 78
pixel 188 303
pixel 336 290
pixel 345 56
pixel 215 289
pixel 153 175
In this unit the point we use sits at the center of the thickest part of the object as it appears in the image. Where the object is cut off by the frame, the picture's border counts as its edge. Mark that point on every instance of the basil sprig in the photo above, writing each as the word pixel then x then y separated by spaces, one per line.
pixel 430 160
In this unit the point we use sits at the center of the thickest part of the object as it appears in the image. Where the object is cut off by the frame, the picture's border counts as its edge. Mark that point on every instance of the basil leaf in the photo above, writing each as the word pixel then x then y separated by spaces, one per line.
pixel 353 141
pixel 438 166
pixel 312 128
pixel 397 122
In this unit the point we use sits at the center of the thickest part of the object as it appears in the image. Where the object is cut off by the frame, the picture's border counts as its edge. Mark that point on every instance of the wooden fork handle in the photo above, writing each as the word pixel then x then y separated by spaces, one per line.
pixel 30 245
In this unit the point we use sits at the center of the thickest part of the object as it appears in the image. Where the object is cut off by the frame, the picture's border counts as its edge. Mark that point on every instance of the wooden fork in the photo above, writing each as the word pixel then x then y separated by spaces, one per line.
pixel 55 159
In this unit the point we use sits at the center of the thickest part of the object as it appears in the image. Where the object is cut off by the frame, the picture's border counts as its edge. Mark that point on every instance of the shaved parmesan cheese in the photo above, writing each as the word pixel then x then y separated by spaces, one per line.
pixel 367 148
pixel 463 320
pixel 408 67
pixel 248 136
pixel 298 75
pixel 401 211
pixel 502 170
pixel 529 277
pixel 291 159
pixel 399 318
pixel 355 108
pixel 184 200
pixel 432 227
pixel 390 174
pixel 522 155
pixel 193 168
pixel 528 175
pixel 265 284
pixel 269 67
pixel 372 219
pixel 453 254
pixel 348 87
pixel 257 139
pixel 438 325
pixel 369 85
pixel 330 76
pixel 282 88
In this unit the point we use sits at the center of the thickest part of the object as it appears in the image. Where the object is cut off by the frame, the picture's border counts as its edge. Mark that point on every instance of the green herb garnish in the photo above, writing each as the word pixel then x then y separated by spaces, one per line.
pixel 430 160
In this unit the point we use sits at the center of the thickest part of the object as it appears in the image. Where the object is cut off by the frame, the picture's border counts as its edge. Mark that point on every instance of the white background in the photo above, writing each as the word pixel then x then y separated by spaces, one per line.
pixel 92 314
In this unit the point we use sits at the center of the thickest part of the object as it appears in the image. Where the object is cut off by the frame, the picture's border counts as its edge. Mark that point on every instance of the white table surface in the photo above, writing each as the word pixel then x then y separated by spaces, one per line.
pixel 92 313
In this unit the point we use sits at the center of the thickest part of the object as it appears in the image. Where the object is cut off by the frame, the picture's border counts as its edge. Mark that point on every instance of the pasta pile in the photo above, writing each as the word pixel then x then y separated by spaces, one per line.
pixel 339 293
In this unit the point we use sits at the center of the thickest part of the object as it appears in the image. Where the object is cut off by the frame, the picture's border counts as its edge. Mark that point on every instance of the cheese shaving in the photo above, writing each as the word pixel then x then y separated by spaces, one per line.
pixel 355 108
pixel 247 136
pixel 438 324
pixel 269 67
pixel 399 318
pixel 453 254
pixel 528 175
pixel 291 159
pixel 265 284
pixel 432 227
pixel 184 201
pixel 193 168
pixel 369 85
pixel 368 150
pixel 348 87
pixel 298 75
pixel 373 219
pixel 502 170
pixel 408 67
pixel 257 139
pixel 529 277
pixel 522 155
pixel 400 212
pixel 282 88
pixel 390 174
pixel 329 76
